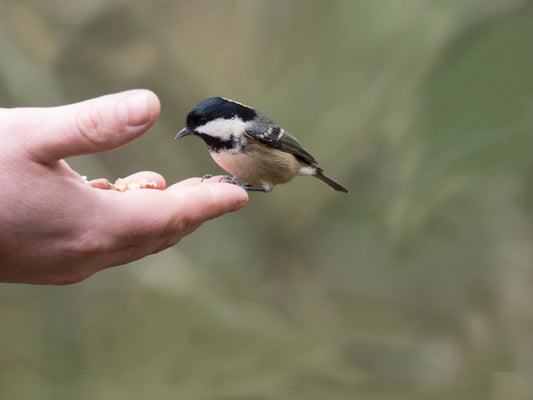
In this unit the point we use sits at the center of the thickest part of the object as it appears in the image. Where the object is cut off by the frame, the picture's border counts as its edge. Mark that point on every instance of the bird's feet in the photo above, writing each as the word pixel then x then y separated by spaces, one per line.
pixel 230 179
pixel 235 181
pixel 250 188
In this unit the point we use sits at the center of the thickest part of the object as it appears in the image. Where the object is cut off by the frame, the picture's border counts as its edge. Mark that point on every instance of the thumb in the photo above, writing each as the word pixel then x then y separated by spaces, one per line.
pixel 96 125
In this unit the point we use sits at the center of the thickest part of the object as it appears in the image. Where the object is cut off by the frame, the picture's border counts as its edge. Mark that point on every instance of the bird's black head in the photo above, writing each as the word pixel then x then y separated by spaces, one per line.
pixel 219 122
pixel 216 107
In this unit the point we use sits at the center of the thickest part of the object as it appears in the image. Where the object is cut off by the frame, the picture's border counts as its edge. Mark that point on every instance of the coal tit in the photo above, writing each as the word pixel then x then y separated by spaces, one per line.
pixel 250 146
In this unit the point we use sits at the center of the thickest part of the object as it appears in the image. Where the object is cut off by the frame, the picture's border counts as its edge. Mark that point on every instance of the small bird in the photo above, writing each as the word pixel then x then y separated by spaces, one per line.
pixel 250 146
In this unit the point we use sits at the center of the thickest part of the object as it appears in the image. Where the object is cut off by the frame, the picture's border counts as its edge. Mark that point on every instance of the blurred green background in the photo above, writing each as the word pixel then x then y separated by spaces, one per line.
pixel 418 285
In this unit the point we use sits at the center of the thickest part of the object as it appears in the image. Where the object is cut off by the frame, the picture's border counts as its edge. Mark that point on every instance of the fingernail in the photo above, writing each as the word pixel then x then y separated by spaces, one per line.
pixel 134 110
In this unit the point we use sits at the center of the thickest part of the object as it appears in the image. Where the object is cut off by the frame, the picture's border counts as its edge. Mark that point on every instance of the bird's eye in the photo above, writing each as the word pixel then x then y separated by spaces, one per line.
pixel 202 121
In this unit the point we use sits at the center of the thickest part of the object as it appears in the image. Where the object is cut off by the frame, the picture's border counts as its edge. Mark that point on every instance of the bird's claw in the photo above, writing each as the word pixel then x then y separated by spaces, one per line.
pixel 206 176
pixel 230 179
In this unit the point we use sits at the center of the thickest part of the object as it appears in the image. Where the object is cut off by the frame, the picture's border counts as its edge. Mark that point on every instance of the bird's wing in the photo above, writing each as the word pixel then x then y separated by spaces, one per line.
pixel 272 135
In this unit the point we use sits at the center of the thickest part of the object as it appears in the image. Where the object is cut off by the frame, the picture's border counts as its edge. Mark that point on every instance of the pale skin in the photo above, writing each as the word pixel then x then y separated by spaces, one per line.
pixel 57 229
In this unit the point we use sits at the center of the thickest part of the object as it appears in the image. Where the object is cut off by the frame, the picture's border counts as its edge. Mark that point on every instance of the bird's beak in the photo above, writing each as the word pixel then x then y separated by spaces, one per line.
pixel 184 132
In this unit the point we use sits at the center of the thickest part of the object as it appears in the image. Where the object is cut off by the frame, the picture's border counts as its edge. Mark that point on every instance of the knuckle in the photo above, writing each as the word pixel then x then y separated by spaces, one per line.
pixel 87 247
pixel 90 124
pixel 165 243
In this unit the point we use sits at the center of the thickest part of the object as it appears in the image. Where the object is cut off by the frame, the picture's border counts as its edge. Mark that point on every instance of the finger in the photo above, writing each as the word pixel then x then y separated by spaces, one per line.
pixel 188 182
pixel 140 216
pixel 208 200
pixel 153 180
pixel 148 176
pixel 197 181
pixel 92 126
pixel 100 183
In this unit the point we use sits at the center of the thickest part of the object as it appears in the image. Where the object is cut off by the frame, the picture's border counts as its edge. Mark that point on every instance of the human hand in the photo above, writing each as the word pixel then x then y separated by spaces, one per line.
pixel 57 229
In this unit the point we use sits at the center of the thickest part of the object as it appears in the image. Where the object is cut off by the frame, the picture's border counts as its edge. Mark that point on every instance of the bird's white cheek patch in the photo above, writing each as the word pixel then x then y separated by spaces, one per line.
pixel 223 128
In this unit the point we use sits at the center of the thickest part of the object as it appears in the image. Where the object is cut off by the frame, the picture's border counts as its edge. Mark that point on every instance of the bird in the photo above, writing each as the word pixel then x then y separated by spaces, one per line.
pixel 250 146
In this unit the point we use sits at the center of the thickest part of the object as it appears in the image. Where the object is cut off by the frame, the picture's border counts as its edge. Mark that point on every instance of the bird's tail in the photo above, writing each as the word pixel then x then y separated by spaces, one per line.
pixel 330 182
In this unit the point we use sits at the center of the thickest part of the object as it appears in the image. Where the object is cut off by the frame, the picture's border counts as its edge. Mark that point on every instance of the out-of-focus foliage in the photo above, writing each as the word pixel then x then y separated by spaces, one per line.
pixel 418 285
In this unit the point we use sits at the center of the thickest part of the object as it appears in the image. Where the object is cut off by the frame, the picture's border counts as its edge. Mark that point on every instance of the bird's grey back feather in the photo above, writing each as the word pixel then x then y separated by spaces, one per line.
pixel 268 133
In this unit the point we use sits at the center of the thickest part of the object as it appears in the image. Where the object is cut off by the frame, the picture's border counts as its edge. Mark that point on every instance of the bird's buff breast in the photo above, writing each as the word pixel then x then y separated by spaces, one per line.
pixel 259 169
